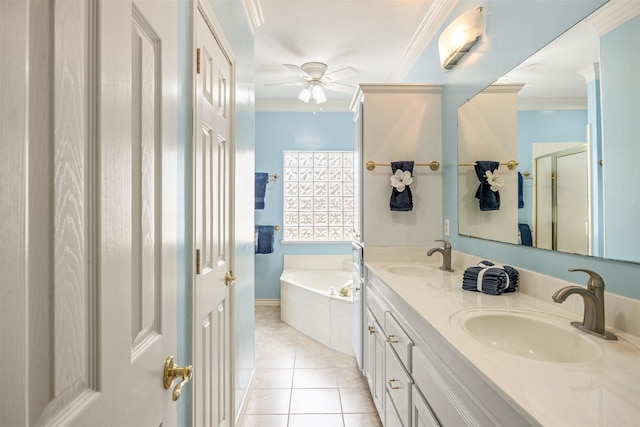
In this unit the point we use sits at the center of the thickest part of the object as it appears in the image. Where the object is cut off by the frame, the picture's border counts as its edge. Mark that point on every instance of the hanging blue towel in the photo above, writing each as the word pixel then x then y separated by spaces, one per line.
pixel 490 279
pixel 264 236
pixel 525 234
pixel 261 188
pixel 401 200
pixel 489 200
pixel 520 192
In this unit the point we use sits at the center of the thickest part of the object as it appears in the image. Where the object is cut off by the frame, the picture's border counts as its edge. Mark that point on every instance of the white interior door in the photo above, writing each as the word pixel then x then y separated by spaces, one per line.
pixel 98 304
pixel 212 227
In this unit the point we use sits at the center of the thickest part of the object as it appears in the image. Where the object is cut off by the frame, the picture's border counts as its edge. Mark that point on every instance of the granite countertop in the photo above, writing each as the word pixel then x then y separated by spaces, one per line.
pixel 604 391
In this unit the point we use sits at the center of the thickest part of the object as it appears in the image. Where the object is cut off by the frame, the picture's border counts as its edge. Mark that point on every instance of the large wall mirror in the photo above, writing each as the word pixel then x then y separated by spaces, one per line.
pixel 564 127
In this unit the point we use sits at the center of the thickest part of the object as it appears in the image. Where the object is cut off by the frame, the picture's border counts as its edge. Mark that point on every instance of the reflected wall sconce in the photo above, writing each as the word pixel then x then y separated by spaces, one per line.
pixel 460 36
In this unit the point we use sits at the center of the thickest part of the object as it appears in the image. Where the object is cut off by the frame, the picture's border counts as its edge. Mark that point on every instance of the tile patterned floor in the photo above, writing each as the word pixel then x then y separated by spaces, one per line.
pixel 301 383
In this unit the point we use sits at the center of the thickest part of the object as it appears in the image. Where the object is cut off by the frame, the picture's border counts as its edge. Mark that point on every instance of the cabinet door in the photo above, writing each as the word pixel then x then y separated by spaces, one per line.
pixel 374 360
pixel 391 418
pixel 421 415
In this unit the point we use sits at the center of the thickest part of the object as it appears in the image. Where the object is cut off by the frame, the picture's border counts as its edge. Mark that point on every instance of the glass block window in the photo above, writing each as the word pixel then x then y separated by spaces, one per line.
pixel 318 196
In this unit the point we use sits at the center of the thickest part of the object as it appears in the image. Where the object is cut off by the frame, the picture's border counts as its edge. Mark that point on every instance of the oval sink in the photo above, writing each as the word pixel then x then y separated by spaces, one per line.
pixel 411 270
pixel 528 334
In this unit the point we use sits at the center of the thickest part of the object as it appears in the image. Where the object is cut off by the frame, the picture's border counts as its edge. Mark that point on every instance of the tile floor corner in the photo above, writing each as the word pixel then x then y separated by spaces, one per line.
pixel 301 383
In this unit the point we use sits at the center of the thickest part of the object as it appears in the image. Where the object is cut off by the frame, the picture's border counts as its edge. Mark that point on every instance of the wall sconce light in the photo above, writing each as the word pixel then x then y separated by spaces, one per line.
pixel 460 36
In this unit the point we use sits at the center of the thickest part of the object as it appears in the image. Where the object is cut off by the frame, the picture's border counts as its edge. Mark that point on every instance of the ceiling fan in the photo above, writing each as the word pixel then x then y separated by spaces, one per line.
pixel 316 79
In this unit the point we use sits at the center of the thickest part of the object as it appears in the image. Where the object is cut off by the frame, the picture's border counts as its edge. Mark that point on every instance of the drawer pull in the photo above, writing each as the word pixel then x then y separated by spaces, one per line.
pixel 392 339
pixel 391 386
pixel 372 330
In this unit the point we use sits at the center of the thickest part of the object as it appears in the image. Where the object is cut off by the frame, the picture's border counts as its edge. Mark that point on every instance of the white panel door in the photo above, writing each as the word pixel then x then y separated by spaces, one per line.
pixel 99 244
pixel 212 228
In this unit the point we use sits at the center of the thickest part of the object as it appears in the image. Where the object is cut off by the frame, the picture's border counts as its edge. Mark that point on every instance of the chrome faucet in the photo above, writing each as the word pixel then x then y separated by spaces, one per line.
pixel 446 254
pixel 593 297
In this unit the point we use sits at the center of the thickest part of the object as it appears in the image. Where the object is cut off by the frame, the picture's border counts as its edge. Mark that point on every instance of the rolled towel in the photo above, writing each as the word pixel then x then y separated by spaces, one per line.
pixel 490 279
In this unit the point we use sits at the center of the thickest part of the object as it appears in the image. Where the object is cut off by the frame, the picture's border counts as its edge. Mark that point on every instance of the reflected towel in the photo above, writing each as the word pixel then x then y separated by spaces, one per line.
pixel 520 192
pixel 525 235
pixel 490 279
pixel 261 188
pixel 489 200
pixel 401 200
pixel 264 237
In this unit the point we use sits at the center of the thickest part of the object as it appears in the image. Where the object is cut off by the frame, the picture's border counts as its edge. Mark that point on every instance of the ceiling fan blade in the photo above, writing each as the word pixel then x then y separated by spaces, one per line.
pixel 339 87
pixel 287 84
pixel 299 71
pixel 341 74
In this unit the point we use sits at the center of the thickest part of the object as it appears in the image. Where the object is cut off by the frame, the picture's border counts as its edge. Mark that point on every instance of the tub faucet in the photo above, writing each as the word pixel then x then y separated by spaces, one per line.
pixel 345 291
pixel 593 297
pixel 446 254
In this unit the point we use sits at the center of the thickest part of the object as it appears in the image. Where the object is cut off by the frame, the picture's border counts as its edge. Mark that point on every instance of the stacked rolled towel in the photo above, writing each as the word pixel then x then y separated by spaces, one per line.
pixel 490 278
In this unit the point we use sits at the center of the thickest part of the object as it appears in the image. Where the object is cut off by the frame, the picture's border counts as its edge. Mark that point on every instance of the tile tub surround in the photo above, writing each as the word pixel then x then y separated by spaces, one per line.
pixel 300 382
pixel 603 392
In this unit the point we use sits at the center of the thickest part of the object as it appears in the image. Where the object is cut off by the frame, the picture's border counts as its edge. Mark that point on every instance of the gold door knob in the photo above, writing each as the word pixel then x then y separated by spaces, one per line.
pixel 229 278
pixel 173 371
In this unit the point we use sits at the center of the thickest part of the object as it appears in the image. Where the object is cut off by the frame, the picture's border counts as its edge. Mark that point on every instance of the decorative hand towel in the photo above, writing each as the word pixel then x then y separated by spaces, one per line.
pixel 490 279
pixel 525 235
pixel 261 188
pixel 401 198
pixel 264 239
pixel 490 181
pixel 520 192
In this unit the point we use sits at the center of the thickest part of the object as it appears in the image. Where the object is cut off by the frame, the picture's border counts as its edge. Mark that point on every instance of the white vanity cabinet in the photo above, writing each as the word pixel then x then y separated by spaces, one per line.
pixel 426 382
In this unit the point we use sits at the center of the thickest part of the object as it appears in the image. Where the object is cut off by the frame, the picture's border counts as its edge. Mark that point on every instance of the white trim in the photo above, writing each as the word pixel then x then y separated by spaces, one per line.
pixel 400 88
pixel 255 18
pixel 267 301
pixel 245 400
pixel 613 14
pixel 500 88
pixel 591 72
pixel 424 34
pixel 210 18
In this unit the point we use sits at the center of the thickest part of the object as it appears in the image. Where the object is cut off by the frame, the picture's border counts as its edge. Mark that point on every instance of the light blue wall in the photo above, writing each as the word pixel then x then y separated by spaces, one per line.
pixel 545 126
pixel 276 132
pixel 515 30
pixel 233 19
pixel 621 139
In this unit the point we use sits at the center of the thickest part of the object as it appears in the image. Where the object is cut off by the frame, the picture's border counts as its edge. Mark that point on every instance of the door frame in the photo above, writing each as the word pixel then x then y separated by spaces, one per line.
pixel 202 6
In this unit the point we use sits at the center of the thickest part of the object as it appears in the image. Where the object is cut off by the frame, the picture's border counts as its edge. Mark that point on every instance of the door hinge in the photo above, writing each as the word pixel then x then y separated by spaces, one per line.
pixel 197 261
pixel 198 61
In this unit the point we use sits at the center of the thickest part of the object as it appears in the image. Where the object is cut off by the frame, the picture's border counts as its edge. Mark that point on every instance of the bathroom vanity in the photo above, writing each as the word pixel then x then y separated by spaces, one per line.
pixel 431 358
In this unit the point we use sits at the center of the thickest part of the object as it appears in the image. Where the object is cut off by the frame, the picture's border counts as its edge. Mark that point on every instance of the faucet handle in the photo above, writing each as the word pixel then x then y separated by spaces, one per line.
pixel 447 245
pixel 595 280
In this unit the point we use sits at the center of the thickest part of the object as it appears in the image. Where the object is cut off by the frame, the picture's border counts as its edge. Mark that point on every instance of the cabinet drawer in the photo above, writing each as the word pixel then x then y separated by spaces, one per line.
pixel 448 398
pixel 375 304
pixel 421 415
pixel 391 418
pixel 398 385
pixel 399 340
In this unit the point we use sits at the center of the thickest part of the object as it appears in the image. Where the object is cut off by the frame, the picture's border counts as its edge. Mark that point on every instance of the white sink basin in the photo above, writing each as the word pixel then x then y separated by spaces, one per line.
pixel 411 270
pixel 529 334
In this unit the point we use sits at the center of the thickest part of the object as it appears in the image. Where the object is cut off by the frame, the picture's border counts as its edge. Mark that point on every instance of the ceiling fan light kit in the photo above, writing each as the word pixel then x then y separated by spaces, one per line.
pixel 316 80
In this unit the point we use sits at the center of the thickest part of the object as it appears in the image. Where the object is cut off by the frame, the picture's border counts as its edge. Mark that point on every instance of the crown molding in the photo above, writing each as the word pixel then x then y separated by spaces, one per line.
pixel 613 14
pixel 433 19
pixel 590 72
pixel 400 88
pixel 506 88
pixel 295 105
pixel 527 104
pixel 253 10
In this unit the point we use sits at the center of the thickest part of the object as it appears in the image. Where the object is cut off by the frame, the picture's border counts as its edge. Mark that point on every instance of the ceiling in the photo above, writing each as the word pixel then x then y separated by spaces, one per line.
pixel 381 39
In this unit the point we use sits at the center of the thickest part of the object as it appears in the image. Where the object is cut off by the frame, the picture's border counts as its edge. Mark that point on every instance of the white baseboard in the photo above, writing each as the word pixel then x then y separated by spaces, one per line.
pixel 267 301
pixel 245 400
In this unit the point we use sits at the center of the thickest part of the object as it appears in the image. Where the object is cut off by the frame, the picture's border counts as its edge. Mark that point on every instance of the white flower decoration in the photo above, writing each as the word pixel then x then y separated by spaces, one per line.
pixel 494 180
pixel 401 179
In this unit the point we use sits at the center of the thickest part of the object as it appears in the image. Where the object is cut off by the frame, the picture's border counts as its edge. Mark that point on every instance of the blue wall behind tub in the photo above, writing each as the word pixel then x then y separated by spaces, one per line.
pixel 276 132
pixel 545 126
pixel 514 31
